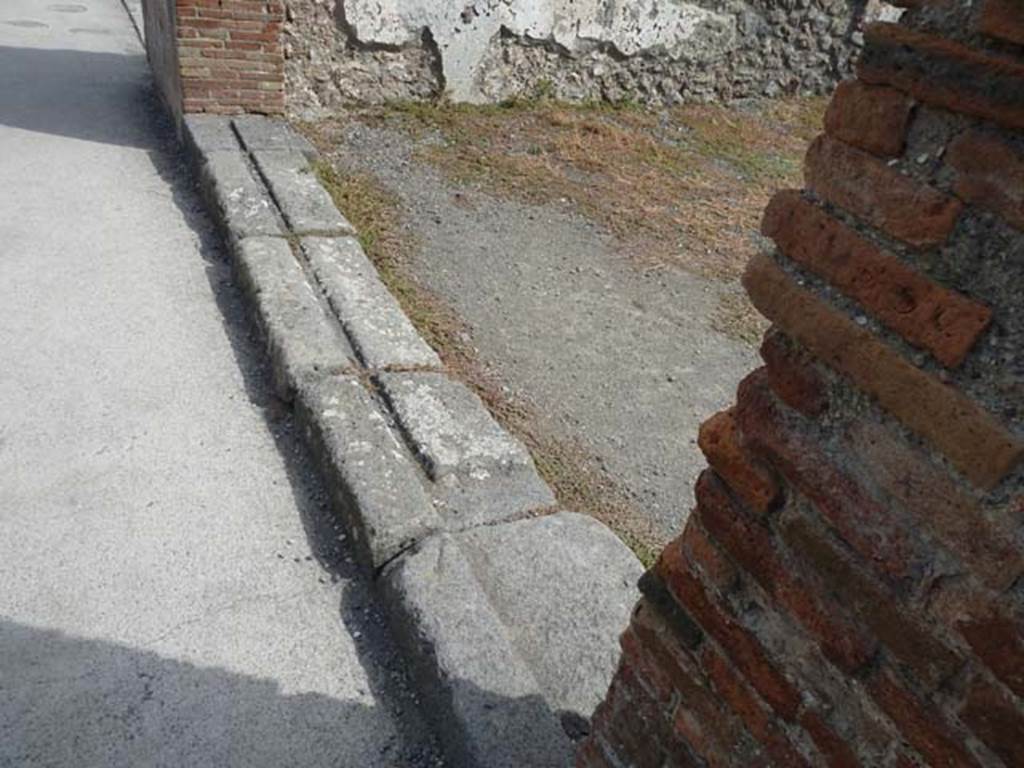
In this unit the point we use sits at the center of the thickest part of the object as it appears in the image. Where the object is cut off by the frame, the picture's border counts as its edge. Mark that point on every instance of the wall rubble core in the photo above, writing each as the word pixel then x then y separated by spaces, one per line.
pixel 848 590
pixel 654 51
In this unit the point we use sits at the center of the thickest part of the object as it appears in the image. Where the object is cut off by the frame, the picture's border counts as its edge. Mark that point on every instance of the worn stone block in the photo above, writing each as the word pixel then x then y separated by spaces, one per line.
pixel 259 132
pixel 305 204
pixel 378 328
pixel 565 586
pixel 484 701
pixel 205 134
pixel 239 203
pixel 369 472
pixel 303 341
pixel 481 473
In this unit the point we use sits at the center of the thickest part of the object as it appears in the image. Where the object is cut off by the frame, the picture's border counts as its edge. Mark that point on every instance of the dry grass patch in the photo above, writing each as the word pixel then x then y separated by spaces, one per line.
pixel 684 186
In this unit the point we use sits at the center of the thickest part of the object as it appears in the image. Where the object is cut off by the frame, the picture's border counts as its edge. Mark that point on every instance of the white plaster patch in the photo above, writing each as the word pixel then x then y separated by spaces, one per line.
pixel 464 32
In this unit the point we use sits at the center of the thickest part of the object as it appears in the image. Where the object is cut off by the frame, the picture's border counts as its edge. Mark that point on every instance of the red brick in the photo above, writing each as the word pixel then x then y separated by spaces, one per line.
pixel 589 755
pixel 996 719
pixel 1003 19
pixel 936 504
pixel 997 639
pixel 641 731
pixel 893 623
pixel 743 647
pixel 871 117
pixel 229 13
pixel 630 729
pixel 651 675
pixel 942 321
pixel 837 753
pixel 861 521
pixel 970 437
pixel 945 73
pixel 700 719
pixel 721 442
pixel 868 188
pixel 254 37
pixel 906 761
pixel 715 566
pixel 751 544
pixel 793 376
pixel 758 720
pixel 990 173
pixel 922 725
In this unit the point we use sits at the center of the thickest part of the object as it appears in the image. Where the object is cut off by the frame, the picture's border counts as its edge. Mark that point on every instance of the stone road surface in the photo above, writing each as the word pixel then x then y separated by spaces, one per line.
pixel 172 591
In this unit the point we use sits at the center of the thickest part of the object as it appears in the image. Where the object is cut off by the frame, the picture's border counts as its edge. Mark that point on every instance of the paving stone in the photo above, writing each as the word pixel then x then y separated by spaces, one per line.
pixel 565 586
pixel 205 134
pixel 240 204
pixel 258 132
pixel 484 701
pixel 369 471
pixel 303 340
pixel 305 204
pixel 481 474
pixel 375 323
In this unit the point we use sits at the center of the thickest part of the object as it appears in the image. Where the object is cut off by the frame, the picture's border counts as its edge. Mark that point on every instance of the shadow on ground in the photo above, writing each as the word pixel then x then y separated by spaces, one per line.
pixel 74 701
pixel 73 93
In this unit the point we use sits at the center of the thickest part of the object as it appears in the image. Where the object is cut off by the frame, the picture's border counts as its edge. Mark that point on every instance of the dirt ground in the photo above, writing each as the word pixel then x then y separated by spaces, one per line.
pixel 578 266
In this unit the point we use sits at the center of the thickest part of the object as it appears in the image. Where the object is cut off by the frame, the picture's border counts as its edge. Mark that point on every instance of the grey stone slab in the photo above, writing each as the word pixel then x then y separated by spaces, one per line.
pixel 259 132
pixel 303 341
pixel 378 328
pixel 481 474
pixel 565 586
pixel 450 426
pixel 240 204
pixel 205 134
pixel 305 204
pixel 374 481
pixel 485 702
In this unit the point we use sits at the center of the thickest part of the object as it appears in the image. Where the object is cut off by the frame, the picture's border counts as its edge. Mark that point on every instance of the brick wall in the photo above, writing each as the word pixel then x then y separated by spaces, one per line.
pixel 848 589
pixel 220 56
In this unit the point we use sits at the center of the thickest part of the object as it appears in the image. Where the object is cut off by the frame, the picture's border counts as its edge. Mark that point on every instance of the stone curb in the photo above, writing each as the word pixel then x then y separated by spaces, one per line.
pixel 509 621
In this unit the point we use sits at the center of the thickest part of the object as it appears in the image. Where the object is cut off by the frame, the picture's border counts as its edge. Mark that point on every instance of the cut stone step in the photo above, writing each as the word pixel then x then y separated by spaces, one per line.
pixel 481 474
pixel 304 342
pixel 372 477
pixel 378 328
pixel 305 204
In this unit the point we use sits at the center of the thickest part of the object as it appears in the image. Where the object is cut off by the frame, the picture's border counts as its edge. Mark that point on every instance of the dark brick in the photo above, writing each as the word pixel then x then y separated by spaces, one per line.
pixel 758 720
pixel 792 375
pixel 868 188
pixel 923 726
pixel 943 322
pixel 871 117
pixel 751 544
pixel 721 442
pixel 996 719
pixel 892 623
pixel 970 437
pixel 864 523
pixel 945 73
pixel 935 503
pixel 742 646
